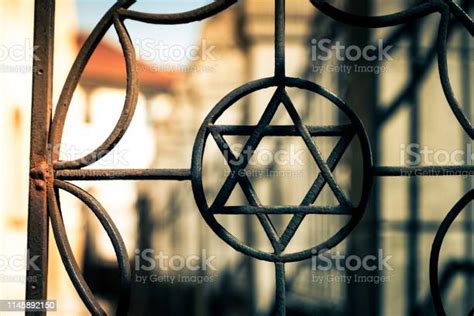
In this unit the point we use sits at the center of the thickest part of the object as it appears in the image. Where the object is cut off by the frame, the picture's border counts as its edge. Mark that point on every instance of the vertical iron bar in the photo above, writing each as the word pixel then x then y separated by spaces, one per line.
pixel 280 39
pixel 280 295
pixel 36 285
pixel 413 186
pixel 280 292
pixel 280 15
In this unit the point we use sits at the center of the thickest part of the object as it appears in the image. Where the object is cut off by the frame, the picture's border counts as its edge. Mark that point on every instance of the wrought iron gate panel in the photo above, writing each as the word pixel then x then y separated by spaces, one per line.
pixel 49 175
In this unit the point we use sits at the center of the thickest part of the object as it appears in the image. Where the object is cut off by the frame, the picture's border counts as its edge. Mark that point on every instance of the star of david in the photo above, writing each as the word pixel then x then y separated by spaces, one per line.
pixel 256 134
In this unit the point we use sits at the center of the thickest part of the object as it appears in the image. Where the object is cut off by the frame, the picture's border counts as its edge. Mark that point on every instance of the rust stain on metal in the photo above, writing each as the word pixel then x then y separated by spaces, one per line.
pixel 42 175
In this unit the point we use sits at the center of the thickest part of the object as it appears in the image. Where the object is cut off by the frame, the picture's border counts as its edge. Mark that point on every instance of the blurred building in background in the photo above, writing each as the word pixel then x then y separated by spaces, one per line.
pixel 401 218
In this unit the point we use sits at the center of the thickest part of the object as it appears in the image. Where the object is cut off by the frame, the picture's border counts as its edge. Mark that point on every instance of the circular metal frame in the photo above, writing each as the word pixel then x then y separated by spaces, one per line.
pixel 197 168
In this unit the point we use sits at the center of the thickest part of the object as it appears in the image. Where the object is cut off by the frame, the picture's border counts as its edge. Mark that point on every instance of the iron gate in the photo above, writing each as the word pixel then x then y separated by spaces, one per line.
pixel 49 175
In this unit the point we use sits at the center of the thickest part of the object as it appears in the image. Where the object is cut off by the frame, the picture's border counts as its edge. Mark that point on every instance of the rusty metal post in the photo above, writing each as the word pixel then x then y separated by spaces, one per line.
pixel 36 285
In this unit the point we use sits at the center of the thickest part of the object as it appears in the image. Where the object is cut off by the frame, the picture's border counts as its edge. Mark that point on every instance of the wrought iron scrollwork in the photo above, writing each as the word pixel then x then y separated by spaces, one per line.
pixel 63 171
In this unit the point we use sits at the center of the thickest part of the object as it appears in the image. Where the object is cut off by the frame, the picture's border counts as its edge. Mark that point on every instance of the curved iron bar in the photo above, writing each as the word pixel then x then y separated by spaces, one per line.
pixel 444 74
pixel 126 116
pixel 436 248
pixel 177 18
pixel 72 80
pixel 451 270
pixel 386 111
pixel 402 17
pixel 67 255
pixel 116 15
pixel 445 8
pixel 461 15
pixel 420 10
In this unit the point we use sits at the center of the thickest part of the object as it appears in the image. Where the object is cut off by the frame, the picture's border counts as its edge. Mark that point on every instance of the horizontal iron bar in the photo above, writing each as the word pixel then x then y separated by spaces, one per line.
pixel 247 209
pixel 124 174
pixel 427 226
pixel 282 130
pixel 387 171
